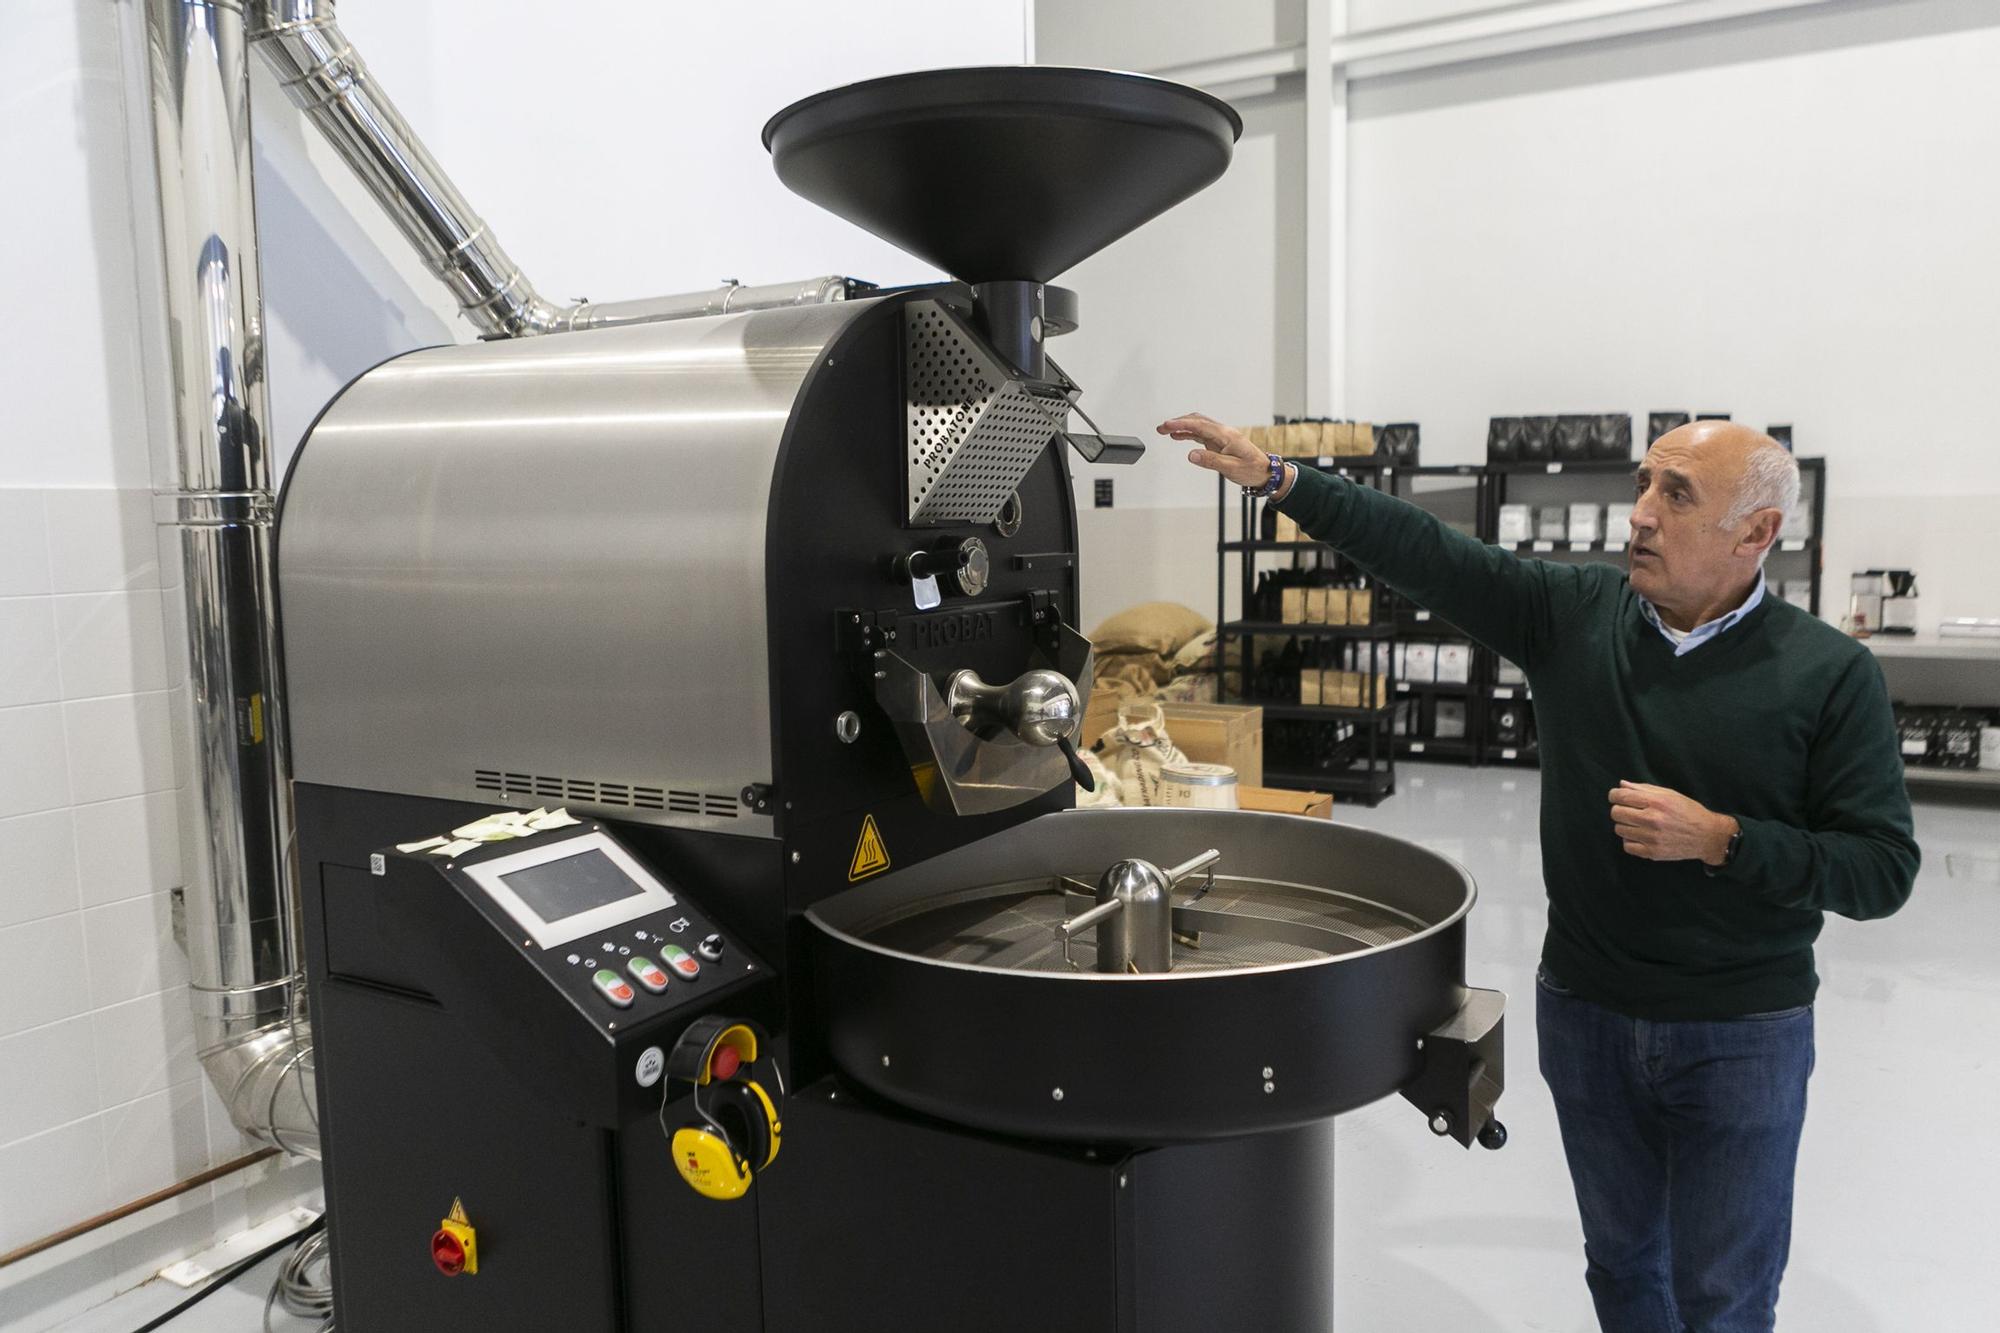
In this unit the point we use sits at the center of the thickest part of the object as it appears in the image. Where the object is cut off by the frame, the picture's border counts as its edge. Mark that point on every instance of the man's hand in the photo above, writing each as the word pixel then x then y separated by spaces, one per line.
pixel 1663 825
pixel 1222 449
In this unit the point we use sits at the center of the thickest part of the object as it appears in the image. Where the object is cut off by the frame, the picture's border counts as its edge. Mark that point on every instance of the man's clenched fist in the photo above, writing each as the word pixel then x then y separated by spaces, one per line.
pixel 1663 825
pixel 1223 449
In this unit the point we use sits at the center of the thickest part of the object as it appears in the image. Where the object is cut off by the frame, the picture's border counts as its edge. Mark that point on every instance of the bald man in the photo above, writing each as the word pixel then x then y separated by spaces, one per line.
pixel 1719 769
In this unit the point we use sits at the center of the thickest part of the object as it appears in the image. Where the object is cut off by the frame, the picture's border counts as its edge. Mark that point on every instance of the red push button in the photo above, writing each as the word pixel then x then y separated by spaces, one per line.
pixel 648 972
pixel 722 1066
pixel 612 987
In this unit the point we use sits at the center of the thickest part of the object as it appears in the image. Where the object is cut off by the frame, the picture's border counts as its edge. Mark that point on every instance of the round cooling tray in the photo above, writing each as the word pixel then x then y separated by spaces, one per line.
pixel 1303 976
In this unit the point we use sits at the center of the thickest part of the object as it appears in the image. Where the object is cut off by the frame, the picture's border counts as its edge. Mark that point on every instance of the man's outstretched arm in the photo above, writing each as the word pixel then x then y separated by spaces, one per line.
pixel 1511 605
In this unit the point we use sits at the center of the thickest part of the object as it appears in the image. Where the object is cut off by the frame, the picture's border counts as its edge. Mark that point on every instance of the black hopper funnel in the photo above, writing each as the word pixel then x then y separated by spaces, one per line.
pixel 1010 174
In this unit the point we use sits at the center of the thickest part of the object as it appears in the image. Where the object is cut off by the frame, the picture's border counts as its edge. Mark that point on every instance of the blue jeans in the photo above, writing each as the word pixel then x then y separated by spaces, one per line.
pixel 1682 1139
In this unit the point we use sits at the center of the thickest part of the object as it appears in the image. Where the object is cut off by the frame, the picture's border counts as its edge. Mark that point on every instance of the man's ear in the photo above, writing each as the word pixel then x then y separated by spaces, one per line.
pixel 1762 533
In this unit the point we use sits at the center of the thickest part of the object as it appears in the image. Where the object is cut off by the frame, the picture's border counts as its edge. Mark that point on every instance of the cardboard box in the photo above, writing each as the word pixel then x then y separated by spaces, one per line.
pixel 1420 663
pixel 1551 523
pixel 1517 525
pixel 1287 529
pixel 1315 606
pixel 1231 734
pixel 1375 692
pixel 1360 606
pixel 1346 689
pixel 1293 601
pixel 1362 438
pixel 1309 686
pixel 1454 663
pixel 1336 606
pixel 1270 800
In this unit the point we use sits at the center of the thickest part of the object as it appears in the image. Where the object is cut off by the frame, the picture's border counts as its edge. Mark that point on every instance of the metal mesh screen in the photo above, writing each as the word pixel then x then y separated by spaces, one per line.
pixel 973 429
pixel 1015 927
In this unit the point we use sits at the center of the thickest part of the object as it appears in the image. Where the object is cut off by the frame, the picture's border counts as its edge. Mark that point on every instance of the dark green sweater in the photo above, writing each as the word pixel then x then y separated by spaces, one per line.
pixel 1781 721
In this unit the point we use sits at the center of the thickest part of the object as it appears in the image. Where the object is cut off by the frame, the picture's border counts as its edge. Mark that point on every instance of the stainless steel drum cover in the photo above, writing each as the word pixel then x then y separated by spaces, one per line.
pixel 1303 978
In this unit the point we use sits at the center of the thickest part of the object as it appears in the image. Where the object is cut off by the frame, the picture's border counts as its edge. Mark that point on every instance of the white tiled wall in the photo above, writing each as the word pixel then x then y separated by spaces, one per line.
pixel 101 1097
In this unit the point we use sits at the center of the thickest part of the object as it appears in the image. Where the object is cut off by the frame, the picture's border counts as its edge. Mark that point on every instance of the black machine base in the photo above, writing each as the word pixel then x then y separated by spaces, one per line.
pixel 869 1217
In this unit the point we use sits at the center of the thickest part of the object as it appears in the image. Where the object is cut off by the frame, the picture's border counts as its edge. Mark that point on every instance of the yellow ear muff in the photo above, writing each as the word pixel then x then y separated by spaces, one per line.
pixel 709 1164
pixel 773 1129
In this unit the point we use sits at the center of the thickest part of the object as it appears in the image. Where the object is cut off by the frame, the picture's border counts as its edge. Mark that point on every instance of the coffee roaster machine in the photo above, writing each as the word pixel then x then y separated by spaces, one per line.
pixel 827 1013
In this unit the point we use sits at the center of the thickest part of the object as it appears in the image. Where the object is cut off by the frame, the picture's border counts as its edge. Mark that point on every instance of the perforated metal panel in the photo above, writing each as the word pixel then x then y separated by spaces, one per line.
pixel 974 428
pixel 1014 926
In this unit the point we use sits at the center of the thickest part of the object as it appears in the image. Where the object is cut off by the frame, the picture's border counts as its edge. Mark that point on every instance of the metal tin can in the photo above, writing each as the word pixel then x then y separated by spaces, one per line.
pixel 1198 786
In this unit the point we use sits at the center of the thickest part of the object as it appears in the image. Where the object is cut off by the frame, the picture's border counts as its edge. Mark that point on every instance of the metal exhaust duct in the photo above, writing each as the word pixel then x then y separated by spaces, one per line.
pixel 326 79
pixel 213 505
pixel 212 476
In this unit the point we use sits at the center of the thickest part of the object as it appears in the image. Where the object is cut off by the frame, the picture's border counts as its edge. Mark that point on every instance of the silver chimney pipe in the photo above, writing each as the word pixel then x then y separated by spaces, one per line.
pixel 213 475
pixel 327 79
pixel 213 505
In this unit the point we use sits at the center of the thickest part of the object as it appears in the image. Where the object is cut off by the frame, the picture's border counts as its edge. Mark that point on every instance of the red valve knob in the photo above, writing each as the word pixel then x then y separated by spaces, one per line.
pixel 448 1253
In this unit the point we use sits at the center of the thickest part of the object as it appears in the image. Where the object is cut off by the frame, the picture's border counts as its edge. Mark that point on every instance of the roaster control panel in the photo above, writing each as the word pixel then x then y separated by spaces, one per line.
pixel 606 928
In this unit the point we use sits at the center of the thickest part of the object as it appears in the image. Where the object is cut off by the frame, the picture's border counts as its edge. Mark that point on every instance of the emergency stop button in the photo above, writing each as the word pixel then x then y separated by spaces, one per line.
pixel 648 973
pixel 681 961
pixel 612 987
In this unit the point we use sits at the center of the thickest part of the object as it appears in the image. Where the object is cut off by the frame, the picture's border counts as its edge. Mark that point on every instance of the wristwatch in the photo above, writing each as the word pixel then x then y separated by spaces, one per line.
pixel 1728 853
pixel 1271 483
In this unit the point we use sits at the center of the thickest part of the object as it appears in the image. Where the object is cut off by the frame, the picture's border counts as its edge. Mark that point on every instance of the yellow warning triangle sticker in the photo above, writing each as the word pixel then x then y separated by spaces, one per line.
pixel 457 1213
pixel 870 856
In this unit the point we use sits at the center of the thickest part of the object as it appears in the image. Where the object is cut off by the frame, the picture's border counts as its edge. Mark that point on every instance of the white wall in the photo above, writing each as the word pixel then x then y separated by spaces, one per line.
pixel 1788 219
pixel 615 150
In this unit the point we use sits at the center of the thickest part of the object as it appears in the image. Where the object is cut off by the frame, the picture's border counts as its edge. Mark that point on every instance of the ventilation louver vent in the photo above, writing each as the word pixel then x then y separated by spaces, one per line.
pixel 539 787
pixel 974 429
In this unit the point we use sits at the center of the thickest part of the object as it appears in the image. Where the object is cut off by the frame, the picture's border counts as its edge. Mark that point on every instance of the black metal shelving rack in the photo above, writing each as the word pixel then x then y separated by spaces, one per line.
pixel 1608 481
pixel 1370 774
pixel 1395 619
pixel 1414 622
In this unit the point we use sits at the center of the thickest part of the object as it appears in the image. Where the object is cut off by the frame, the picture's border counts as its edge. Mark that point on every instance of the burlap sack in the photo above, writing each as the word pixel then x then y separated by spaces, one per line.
pixel 1150 627
pixel 1138 749
pixel 1130 673
pixel 1110 791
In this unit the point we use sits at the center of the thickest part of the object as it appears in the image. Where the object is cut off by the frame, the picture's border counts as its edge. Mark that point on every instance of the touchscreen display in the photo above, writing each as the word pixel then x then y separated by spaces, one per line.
pixel 558 889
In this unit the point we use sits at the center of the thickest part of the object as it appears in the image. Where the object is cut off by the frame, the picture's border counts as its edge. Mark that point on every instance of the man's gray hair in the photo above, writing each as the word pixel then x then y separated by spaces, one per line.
pixel 1770 481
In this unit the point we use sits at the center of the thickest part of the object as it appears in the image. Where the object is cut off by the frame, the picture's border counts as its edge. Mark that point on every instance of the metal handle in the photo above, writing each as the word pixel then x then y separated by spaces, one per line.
pixel 1077 768
pixel 1193 866
pixel 1039 707
pixel 1083 921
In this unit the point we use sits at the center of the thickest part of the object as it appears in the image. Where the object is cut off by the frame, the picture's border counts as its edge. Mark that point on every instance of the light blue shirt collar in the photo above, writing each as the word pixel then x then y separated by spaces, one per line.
pixel 1700 634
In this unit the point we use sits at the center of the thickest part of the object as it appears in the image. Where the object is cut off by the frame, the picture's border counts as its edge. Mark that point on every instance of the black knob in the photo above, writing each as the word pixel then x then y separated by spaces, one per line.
pixel 1493 1136
pixel 710 948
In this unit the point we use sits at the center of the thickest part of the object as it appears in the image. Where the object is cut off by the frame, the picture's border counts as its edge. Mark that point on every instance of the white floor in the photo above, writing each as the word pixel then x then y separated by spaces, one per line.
pixel 237 1307
pixel 1899 1174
